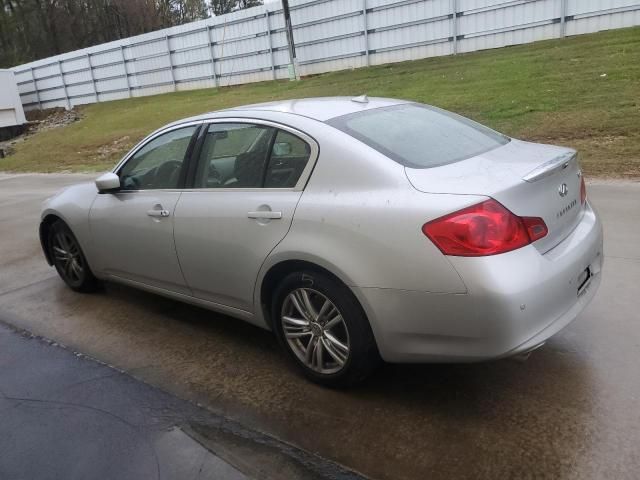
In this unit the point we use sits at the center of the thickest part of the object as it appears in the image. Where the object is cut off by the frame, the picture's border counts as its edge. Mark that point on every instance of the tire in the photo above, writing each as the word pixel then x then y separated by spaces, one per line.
pixel 341 324
pixel 69 260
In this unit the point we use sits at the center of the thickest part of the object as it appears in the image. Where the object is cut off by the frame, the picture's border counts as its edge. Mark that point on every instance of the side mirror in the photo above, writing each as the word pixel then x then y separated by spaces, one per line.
pixel 108 182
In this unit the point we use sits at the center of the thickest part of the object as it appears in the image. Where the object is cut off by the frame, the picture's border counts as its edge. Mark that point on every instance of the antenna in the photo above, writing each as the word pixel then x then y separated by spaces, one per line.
pixel 361 99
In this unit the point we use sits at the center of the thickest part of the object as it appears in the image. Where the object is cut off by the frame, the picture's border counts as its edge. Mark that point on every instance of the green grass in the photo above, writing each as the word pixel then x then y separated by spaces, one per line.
pixel 551 92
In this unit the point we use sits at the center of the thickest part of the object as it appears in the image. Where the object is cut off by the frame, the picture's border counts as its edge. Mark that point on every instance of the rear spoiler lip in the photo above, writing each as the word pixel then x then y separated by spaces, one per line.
pixel 552 166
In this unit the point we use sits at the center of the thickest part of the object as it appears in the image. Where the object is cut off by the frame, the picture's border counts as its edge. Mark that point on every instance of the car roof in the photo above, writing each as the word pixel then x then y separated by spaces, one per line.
pixel 320 108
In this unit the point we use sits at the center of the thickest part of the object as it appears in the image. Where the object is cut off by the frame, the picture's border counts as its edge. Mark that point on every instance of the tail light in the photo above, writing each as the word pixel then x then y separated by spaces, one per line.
pixel 583 190
pixel 487 228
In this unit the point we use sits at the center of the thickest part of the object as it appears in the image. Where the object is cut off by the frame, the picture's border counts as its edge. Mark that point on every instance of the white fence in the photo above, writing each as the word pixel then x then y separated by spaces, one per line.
pixel 251 46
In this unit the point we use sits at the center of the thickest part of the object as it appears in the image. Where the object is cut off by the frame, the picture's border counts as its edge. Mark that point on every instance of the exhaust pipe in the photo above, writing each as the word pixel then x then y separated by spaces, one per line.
pixel 524 356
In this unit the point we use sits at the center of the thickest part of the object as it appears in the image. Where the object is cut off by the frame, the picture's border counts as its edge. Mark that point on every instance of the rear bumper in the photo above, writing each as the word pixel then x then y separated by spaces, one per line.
pixel 515 301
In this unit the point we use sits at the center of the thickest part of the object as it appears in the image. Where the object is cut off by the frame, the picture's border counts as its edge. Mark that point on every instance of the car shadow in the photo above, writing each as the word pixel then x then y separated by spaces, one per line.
pixel 486 420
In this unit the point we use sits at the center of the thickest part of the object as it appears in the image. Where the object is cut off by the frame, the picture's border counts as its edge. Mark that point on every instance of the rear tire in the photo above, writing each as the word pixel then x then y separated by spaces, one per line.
pixel 323 329
pixel 69 260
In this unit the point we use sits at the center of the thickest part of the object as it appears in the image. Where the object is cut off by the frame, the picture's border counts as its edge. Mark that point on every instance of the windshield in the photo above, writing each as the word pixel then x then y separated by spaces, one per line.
pixel 419 136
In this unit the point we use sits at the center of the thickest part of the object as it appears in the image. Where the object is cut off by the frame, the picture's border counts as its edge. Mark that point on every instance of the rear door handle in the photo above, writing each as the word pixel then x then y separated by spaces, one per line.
pixel 265 214
pixel 158 213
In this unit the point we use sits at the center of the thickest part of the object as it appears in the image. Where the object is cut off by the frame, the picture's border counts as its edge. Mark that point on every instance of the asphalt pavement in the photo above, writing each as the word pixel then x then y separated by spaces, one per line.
pixel 570 411
pixel 68 417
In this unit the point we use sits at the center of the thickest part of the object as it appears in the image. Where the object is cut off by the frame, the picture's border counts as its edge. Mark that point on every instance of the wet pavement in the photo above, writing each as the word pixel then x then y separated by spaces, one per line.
pixel 66 416
pixel 570 411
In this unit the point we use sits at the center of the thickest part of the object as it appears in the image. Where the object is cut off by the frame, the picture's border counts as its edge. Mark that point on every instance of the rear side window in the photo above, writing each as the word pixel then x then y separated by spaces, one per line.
pixel 234 155
pixel 289 156
pixel 419 136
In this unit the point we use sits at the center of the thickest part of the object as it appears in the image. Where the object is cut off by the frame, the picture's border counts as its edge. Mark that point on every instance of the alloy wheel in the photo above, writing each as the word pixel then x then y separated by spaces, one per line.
pixel 67 257
pixel 315 330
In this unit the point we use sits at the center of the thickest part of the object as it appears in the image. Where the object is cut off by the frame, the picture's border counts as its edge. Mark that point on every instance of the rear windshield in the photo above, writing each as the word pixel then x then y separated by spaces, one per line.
pixel 419 136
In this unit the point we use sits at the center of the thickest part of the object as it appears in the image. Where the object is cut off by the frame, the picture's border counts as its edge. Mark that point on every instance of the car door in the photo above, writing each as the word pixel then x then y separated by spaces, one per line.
pixel 247 182
pixel 132 228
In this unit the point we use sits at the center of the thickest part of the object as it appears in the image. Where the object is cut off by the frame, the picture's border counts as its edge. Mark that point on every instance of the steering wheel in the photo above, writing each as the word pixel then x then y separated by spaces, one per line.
pixel 167 174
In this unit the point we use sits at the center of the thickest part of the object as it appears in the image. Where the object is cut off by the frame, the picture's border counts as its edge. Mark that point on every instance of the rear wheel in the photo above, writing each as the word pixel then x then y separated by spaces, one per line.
pixel 69 260
pixel 323 328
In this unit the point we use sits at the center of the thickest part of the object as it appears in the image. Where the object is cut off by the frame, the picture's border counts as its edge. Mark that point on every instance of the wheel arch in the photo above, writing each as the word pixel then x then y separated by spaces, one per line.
pixel 276 272
pixel 45 227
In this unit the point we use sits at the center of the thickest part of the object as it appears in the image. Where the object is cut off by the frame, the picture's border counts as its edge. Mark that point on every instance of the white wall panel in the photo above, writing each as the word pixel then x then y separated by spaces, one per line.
pixel 329 34
pixel 154 47
pixel 152 90
pixel 195 84
pixel 23 76
pixel 52 94
pixel 73 64
pixel 106 97
pixel 414 53
pixel 324 30
pixel 50 82
pixel 105 86
pixel 195 39
pixel 83 100
pixel 315 12
pixel 104 58
pixel 77 77
pixel 80 90
pixel 192 71
pixel 46 70
pixel 146 64
pixel 109 71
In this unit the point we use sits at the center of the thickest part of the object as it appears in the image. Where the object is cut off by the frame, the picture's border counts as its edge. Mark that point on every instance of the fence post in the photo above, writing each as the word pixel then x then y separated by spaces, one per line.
pixel 124 68
pixel 212 55
pixel 454 7
pixel 35 85
pixel 173 77
pixel 64 86
pixel 366 31
pixel 273 65
pixel 93 80
pixel 563 18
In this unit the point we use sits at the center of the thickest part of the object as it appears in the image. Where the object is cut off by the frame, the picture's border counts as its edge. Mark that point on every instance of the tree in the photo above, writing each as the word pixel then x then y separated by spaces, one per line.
pixel 242 4
pixel 34 29
pixel 220 7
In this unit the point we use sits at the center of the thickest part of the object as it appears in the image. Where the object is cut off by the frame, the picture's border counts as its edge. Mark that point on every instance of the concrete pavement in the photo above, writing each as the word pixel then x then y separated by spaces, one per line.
pixel 570 411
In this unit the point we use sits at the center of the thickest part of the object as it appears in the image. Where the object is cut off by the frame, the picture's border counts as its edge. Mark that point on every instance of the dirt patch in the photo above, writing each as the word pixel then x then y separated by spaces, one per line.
pixel 40 121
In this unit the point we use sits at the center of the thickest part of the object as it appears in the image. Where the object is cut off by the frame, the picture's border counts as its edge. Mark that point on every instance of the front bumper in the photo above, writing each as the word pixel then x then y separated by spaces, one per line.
pixel 514 302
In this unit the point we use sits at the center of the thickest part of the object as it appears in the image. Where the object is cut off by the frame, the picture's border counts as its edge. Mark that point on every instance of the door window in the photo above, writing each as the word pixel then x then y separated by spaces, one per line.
pixel 243 155
pixel 158 164
pixel 289 156
pixel 234 156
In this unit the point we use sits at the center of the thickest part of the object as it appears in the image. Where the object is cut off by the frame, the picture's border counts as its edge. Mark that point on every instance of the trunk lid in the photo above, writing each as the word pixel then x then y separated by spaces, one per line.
pixel 531 180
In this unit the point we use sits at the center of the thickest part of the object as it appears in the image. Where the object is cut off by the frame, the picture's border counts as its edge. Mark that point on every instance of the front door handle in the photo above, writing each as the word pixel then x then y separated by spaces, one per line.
pixel 265 214
pixel 158 213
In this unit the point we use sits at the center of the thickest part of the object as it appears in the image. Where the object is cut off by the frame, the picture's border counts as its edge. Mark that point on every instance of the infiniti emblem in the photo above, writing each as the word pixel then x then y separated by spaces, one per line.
pixel 563 190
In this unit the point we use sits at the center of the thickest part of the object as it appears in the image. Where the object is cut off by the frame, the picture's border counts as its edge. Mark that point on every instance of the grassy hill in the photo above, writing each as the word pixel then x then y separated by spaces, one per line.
pixel 582 92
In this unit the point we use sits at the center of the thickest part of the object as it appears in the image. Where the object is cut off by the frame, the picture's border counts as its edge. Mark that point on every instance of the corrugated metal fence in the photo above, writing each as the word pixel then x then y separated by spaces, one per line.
pixel 251 46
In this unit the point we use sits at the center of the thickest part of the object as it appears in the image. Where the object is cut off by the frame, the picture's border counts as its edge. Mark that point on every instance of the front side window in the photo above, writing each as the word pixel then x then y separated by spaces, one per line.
pixel 419 136
pixel 158 164
pixel 244 155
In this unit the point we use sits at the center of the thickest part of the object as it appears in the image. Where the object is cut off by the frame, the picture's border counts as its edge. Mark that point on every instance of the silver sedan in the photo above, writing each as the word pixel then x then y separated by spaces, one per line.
pixel 355 229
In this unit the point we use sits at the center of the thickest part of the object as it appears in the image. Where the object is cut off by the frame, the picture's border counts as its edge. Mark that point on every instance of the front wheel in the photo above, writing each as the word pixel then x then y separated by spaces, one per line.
pixel 323 328
pixel 69 260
